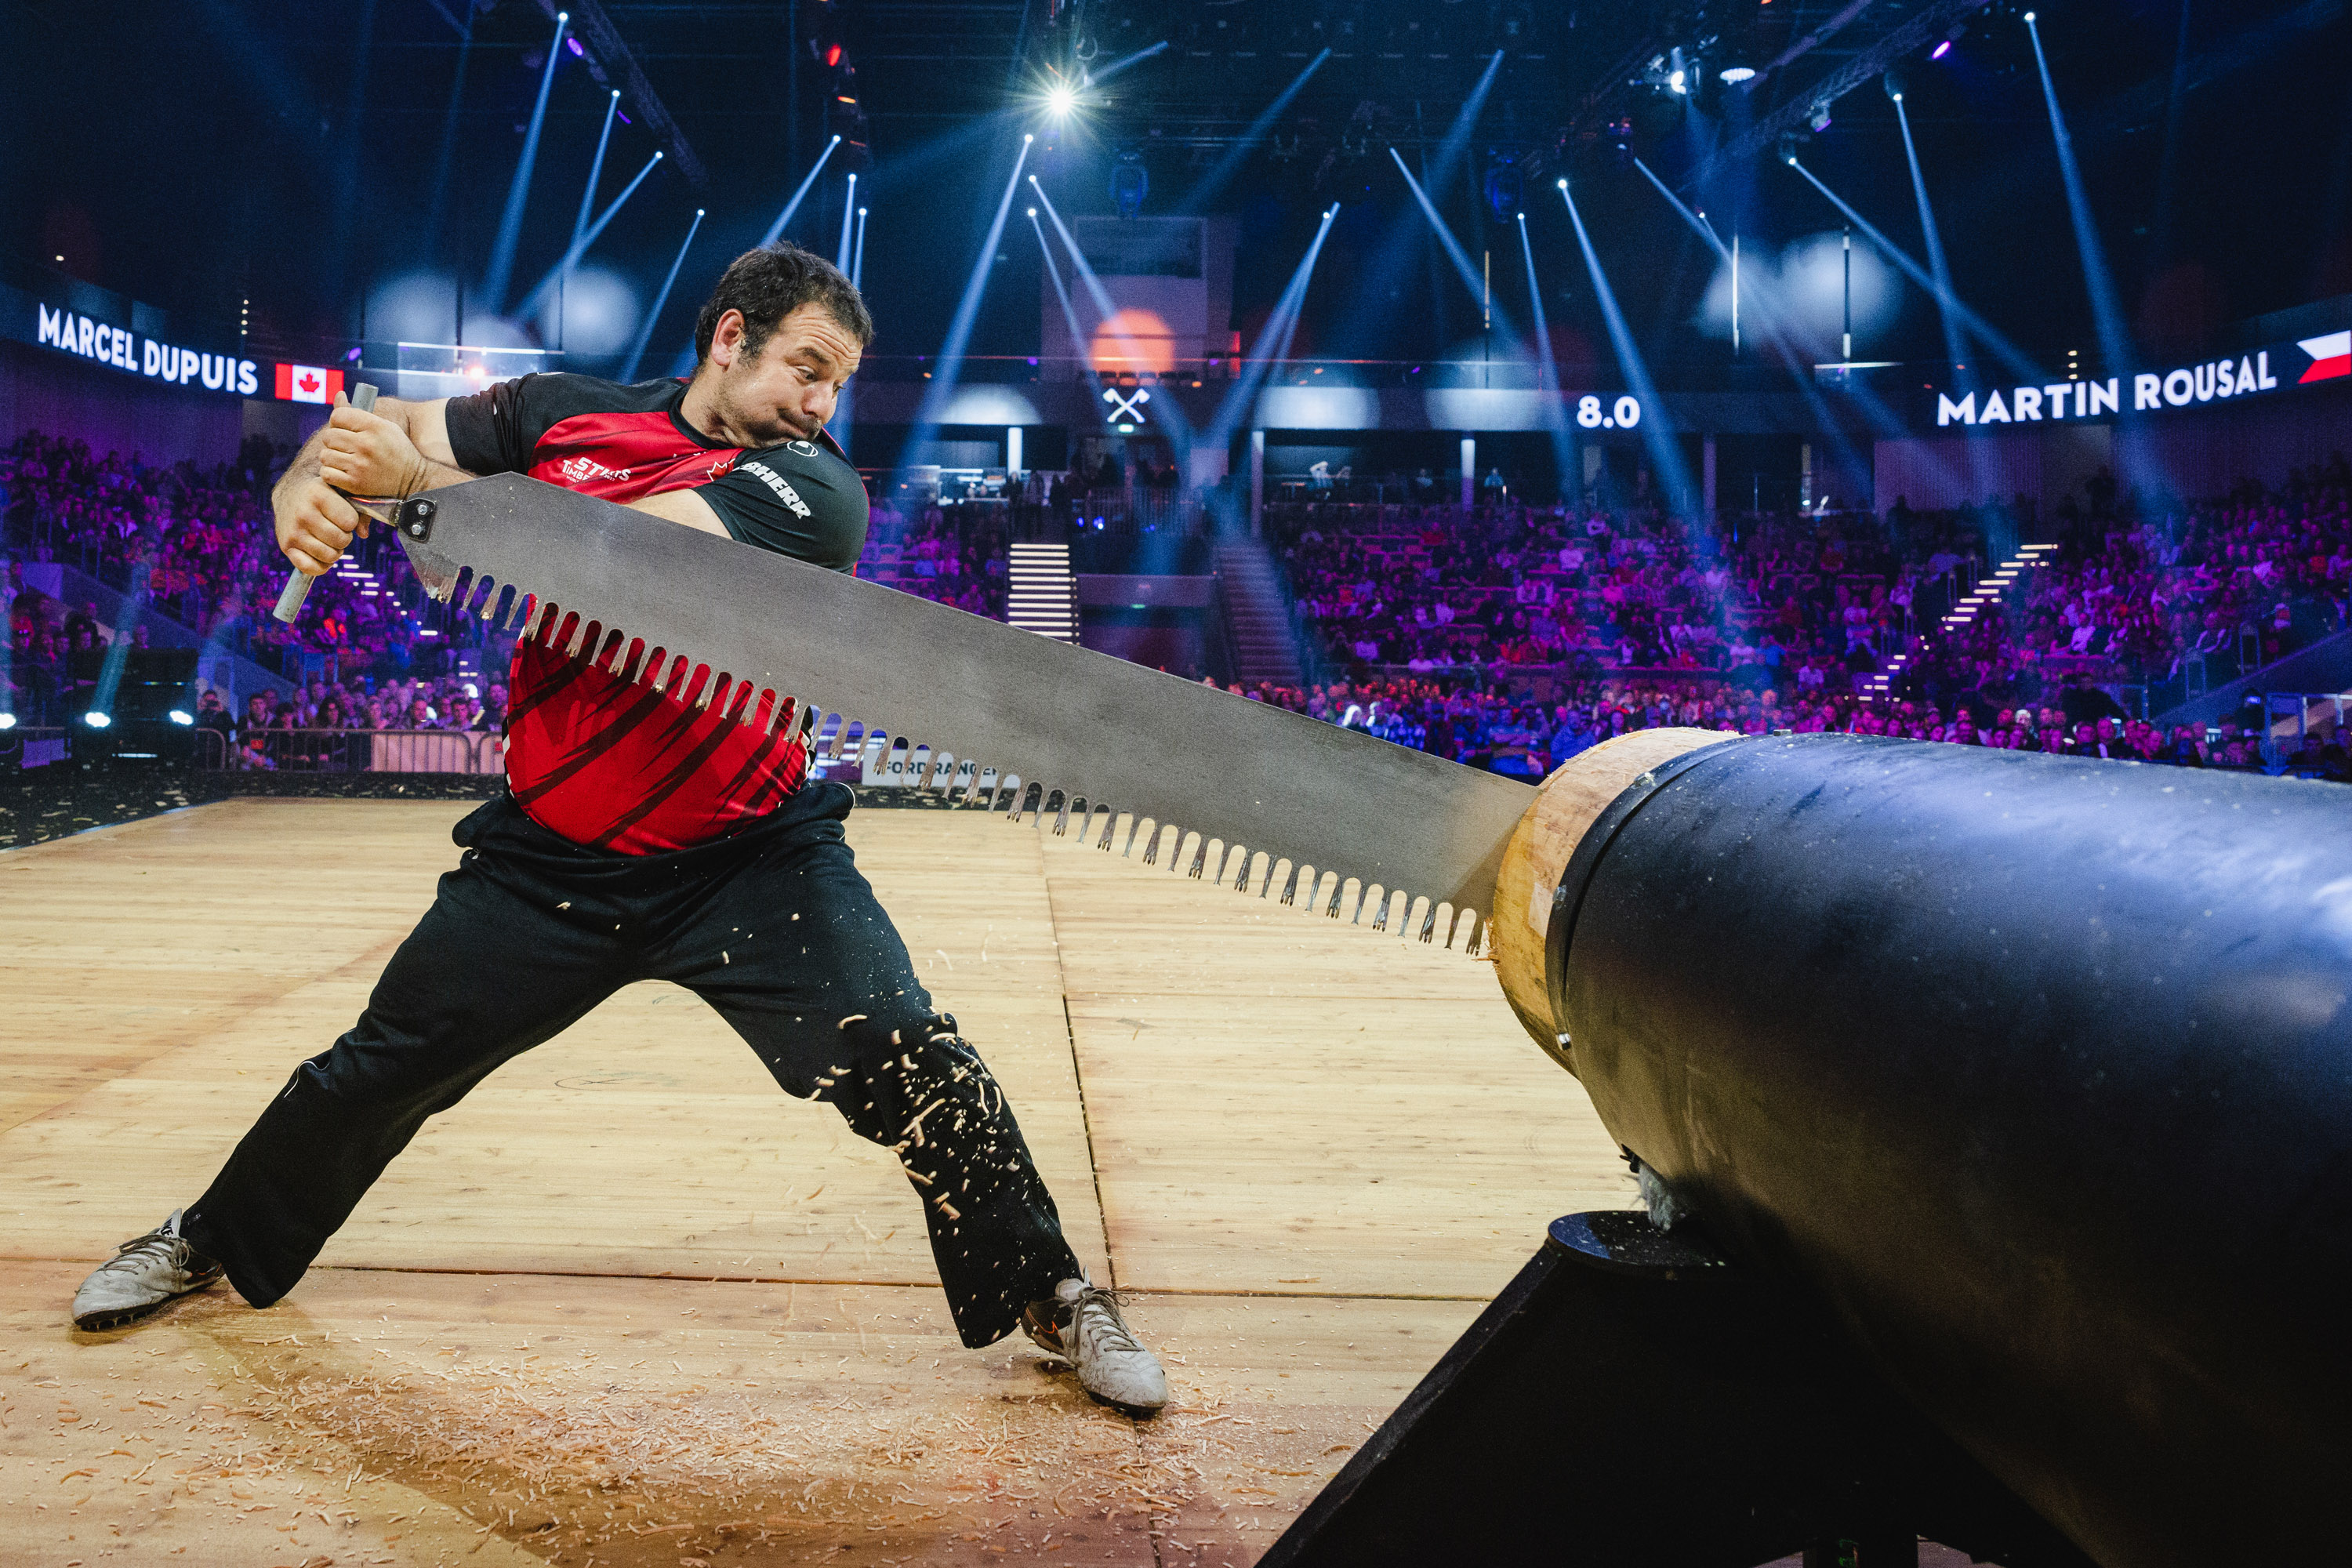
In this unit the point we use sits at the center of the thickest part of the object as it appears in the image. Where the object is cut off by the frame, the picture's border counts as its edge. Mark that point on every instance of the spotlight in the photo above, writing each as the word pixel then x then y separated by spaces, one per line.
pixel 1893 83
pixel 1940 50
pixel 1060 99
pixel 96 720
pixel 7 721
pixel 182 716
pixel 2028 16
pixel 573 45
pixel 1821 120
pixel 1561 184
pixel 1739 73
pixel 1032 212
pixel 1677 80
pixel 1789 148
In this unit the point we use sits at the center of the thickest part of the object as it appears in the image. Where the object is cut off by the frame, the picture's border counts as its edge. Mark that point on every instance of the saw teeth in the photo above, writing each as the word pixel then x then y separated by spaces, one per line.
pixel 831 735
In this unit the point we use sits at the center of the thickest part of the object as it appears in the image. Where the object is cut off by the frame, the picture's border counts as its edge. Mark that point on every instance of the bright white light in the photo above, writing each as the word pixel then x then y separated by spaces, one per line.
pixel 182 716
pixel 1677 81
pixel 600 312
pixel 1060 99
pixel 1739 73
pixel 2028 16
pixel 1032 212
pixel 7 721
pixel 96 720
pixel 1561 184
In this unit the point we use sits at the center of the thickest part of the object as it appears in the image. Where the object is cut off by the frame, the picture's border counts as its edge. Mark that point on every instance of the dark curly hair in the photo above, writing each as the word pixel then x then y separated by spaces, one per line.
pixel 771 283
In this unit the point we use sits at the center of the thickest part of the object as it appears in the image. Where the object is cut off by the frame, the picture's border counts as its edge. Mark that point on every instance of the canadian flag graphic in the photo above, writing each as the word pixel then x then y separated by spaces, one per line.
pixel 308 383
pixel 2331 356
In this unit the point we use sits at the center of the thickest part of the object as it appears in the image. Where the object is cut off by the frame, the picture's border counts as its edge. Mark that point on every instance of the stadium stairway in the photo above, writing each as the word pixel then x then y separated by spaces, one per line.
pixel 235 676
pixel 1265 646
pixel 1041 595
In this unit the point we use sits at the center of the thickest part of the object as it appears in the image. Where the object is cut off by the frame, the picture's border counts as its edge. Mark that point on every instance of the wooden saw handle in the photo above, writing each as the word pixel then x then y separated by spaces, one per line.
pixel 298 586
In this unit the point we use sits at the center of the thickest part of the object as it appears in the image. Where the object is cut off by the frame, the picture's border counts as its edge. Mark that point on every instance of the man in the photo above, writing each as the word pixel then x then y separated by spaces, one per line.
pixel 645 837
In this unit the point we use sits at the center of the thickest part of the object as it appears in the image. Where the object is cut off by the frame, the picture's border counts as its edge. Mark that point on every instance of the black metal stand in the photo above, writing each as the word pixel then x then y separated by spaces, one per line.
pixel 1632 1399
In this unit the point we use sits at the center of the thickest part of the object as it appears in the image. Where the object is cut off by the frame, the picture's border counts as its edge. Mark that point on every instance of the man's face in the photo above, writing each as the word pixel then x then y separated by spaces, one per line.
pixel 789 388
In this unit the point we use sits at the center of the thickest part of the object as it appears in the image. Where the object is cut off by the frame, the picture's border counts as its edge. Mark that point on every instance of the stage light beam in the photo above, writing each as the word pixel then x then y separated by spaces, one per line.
pixel 949 363
pixel 1469 274
pixel 1096 79
pixel 1555 408
pixel 2106 313
pixel 793 205
pixel 595 167
pixel 579 247
pixel 1657 431
pixel 1214 180
pixel 1942 271
pixel 2008 352
pixel 1062 293
pixel 502 248
pixel 646 331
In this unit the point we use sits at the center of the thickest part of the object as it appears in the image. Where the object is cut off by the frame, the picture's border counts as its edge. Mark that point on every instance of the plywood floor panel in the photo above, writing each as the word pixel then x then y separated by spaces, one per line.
pixel 630 1301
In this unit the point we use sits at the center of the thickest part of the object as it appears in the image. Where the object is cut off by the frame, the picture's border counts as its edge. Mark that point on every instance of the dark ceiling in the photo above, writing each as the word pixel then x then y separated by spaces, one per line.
pixel 204 153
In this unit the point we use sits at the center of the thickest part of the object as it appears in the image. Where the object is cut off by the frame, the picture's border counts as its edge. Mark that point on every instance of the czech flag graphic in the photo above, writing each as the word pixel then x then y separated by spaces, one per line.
pixel 2331 356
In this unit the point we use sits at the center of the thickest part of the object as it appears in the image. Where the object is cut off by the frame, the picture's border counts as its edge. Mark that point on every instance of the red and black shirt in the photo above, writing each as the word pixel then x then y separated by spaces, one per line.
pixel 619 764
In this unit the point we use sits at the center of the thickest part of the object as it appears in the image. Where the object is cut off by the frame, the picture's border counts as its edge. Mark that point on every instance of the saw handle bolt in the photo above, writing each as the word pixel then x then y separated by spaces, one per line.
pixel 417 519
pixel 298 586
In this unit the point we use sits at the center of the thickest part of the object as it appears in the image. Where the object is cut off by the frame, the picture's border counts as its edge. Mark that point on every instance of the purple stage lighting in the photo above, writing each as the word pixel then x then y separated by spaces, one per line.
pixel 1940 50
pixel 573 45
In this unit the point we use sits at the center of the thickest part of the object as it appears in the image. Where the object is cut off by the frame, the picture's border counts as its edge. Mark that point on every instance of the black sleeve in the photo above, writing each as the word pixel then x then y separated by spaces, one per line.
pixel 811 506
pixel 487 428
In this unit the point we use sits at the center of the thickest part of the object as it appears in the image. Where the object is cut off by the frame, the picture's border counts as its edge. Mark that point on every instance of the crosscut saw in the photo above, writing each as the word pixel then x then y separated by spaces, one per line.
pixel 984 714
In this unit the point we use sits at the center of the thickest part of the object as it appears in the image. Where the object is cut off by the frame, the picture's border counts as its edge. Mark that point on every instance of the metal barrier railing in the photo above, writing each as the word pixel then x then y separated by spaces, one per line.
pixel 2291 719
pixel 354 751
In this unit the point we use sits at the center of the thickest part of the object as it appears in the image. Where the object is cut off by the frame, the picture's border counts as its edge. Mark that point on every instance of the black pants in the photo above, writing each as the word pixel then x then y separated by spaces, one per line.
pixel 773 927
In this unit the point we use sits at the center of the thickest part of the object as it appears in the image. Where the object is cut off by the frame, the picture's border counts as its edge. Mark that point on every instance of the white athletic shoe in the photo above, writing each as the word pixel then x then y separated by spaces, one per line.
pixel 144 1274
pixel 1083 1326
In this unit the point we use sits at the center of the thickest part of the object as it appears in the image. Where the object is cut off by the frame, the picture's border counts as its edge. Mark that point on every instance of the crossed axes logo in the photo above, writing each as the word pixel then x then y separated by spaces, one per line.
pixel 1124 407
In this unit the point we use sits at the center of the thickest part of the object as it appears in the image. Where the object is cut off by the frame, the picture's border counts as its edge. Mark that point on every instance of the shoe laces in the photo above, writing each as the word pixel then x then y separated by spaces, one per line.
pixel 159 1244
pixel 1107 1330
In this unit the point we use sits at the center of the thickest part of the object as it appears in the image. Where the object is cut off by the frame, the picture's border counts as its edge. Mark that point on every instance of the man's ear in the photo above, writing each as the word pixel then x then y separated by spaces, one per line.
pixel 726 339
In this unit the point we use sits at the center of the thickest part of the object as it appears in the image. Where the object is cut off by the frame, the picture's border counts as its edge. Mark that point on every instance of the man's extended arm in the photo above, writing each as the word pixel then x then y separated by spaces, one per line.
pixel 398 450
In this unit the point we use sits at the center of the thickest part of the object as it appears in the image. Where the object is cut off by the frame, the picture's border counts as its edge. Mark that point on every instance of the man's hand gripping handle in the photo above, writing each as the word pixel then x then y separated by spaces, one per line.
pixel 298 585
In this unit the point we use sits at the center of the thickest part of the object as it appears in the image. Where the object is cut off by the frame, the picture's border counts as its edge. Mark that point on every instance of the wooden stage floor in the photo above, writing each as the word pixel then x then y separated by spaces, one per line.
pixel 630 1304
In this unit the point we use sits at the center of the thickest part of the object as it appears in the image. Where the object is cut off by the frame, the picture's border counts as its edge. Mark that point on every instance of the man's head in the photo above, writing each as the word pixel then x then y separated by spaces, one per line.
pixel 779 337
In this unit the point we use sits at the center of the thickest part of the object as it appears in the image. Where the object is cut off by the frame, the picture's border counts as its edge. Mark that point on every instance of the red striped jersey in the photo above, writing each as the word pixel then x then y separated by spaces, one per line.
pixel 602 760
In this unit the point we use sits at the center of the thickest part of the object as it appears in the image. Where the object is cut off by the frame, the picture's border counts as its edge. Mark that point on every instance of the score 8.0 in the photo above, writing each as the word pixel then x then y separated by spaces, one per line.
pixel 1624 416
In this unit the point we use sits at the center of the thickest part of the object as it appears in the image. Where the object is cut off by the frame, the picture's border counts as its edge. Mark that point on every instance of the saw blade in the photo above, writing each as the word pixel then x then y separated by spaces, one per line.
pixel 988 715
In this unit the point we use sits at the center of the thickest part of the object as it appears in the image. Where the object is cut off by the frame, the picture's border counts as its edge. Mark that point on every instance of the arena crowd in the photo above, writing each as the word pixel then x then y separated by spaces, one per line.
pixel 1503 635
